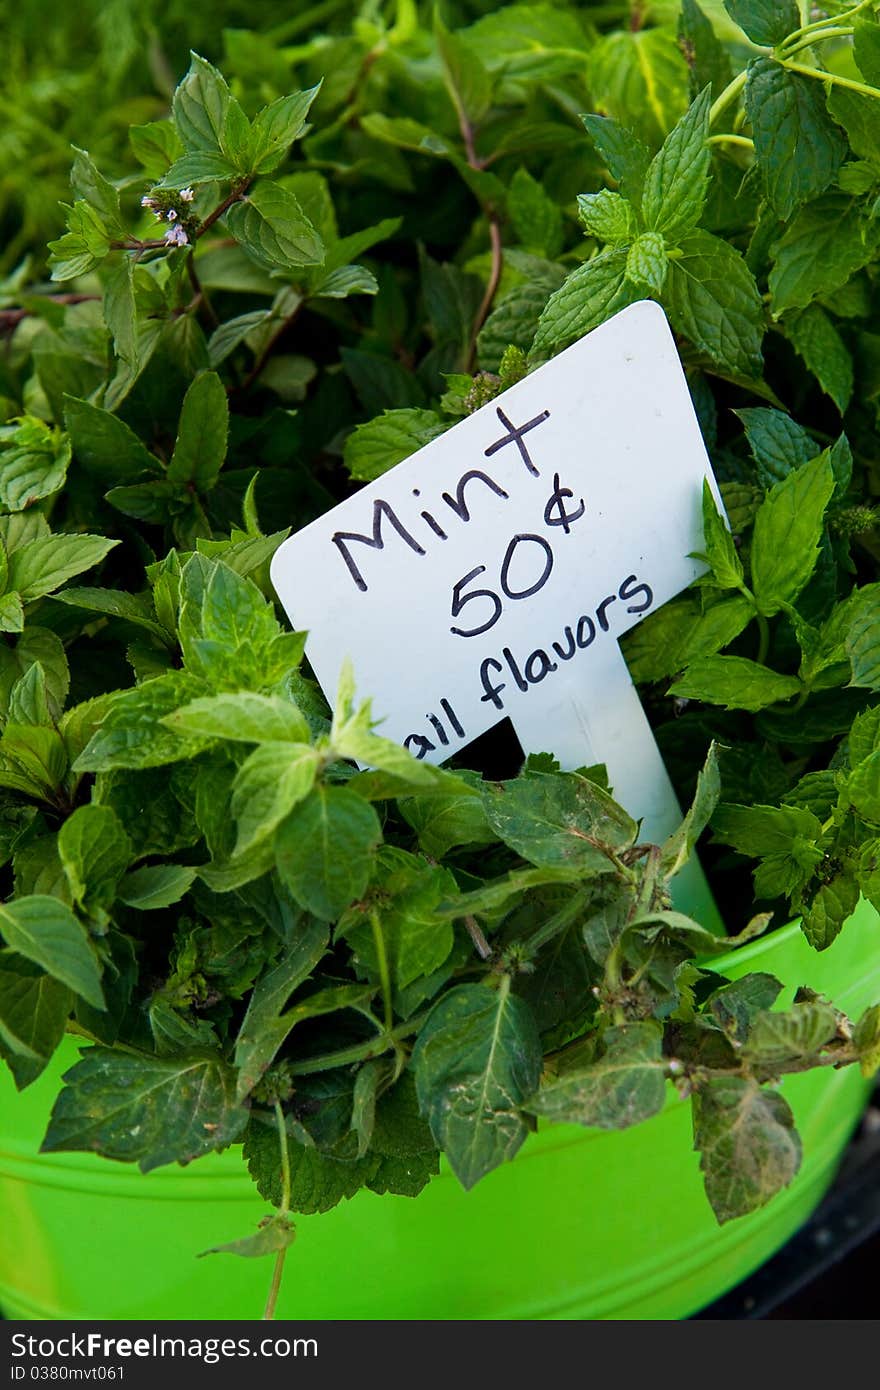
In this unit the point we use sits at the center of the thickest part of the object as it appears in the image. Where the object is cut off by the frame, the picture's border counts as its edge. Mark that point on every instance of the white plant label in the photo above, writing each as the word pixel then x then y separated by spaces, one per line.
pixel 490 574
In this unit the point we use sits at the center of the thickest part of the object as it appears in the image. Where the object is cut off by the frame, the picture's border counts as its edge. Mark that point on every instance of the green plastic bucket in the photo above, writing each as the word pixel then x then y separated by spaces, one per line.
pixel 583 1224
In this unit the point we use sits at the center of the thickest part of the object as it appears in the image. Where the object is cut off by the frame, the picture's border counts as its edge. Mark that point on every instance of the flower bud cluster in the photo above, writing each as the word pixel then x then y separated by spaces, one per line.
pixel 173 207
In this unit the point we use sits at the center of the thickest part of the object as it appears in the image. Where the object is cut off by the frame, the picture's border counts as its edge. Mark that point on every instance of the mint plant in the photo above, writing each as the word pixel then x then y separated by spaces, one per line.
pixel 311 266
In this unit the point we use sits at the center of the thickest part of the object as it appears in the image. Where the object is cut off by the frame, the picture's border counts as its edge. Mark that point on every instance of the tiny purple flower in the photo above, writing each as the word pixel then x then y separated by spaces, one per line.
pixel 186 195
pixel 176 236
pixel 172 215
pixel 148 202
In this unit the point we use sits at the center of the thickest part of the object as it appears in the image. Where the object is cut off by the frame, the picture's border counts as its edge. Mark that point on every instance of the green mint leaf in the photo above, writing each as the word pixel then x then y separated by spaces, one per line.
pixel 608 216
pixel 788 529
pixel 225 339
pixel 450 816
pixel 155 146
pixel 132 735
pixel 34 459
pixel 476 1061
pixel 42 565
pixel 825 915
pixel 625 155
pixel 34 1009
pixel 591 294
pixel 749 1149
pixel 864 788
pixel 778 444
pixel 245 717
pixel 325 849
pixel 88 183
pixel 342 282
pixel 317 1181
pixel 417 939
pixel 866 1037
pixel 202 166
pixel 120 314
pixel 712 298
pixel 266 1025
pixel 83 246
pixel 372 448
pixel 864 736
pixel 799 1034
pixel 677 180
pixel 267 786
pixel 536 219
pixel 116 603
pixel 817 342
pixel 647 262
pixel 866 50
pixel 734 1006
pixel 95 852
pixel 679 847
pixel 863 638
pixel 706 55
pixel 640 77
pixel 45 931
pixel 760 830
pixel 156 886
pixel 274 129
pixel 145 1110
pixel 828 241
pixel 625 1085
pixel 275 1233
pixel 469 84
pixel 200 447
pixel 720 551
pixel 765 22
pixel 734 682
pixel 273 229
pixel 797 147
pixel 681 633
pixel 103 444
pixel 200 107
pixel 558 820
pixel 36 645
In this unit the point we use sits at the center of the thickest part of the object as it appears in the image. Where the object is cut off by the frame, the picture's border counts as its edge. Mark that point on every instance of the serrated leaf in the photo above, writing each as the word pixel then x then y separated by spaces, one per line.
pixel 558 820
pixel 748 1145
pixel 374 447
pixel 95 852
pixel 477 1059
pixel 83 246
pixel 265 1025
pixel 131 734
pixel 830 907
pixel 33 463
pixel 626 156
pixel 866 1038
pixel 156 886
pixel 765 21
pixel 797 1034
pixel 200 447
pixel 798 148
pixel 608 216
pixel 788 530
pixel 863 638
pixel 40 566
pixel 34 1008
pixel 823 352
pixel 200 106
pixel 467 81
pixel 712 298
pixel 679 847
pixel 155 146
pixel 324 849
pixel 641 78
pixel 145 1110
pixel 103 444
pixel 677 180
pixel 624 1086
pixel 828 241
pixel 778 443
pixel 269 783
pixel 273 229
pixel 536 219
pixel 734 682
pixel 244 717
pixel 590 295
pixel 275 1233
pixel 647 262
pixel 864 788
pixel 317 1181
pixel 45 931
